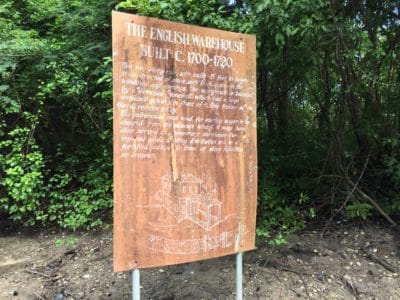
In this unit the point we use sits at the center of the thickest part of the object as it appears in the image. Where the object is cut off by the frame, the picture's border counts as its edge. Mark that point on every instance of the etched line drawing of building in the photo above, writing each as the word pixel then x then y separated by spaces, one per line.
pixel 188 199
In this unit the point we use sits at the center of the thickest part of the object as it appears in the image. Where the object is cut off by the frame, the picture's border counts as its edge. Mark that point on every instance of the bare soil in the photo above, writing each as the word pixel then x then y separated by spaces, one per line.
pixel 348 262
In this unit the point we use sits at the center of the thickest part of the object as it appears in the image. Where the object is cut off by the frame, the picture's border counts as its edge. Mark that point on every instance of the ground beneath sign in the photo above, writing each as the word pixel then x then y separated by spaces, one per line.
pixel 348 263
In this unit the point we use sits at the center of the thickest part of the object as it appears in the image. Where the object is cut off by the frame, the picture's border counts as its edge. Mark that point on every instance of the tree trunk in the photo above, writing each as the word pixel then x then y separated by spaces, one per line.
pixel 283 101
pixel 266 102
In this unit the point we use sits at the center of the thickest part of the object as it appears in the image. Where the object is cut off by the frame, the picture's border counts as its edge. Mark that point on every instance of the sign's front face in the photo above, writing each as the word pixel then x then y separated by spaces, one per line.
pixel 185 177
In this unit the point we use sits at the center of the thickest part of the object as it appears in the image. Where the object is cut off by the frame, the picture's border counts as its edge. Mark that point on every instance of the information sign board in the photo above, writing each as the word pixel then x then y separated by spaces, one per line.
pixel 185 159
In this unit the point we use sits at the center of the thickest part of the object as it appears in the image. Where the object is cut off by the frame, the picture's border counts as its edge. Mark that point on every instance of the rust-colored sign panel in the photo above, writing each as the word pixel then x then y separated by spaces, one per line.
pixel 185 178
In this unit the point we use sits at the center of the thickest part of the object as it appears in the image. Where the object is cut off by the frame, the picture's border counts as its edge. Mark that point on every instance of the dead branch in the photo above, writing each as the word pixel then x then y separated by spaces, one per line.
pixel 379 261
pixel 374 203
pixel 39 296
pixel 38 273
pixel 355 186
pixel 53 277
pixel 281 267
pixel 350 286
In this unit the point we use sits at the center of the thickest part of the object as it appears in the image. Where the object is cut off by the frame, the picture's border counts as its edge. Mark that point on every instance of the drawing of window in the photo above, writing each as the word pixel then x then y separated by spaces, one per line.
pixel 191 207
pixel 183 207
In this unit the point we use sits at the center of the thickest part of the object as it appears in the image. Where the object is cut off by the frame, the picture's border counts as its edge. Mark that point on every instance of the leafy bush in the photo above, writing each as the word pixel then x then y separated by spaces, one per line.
pixel 55 106
pixel 359 210
pixel 22 186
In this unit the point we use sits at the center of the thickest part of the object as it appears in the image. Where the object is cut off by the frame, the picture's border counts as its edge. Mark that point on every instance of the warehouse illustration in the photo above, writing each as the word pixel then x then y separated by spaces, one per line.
pixel 188 199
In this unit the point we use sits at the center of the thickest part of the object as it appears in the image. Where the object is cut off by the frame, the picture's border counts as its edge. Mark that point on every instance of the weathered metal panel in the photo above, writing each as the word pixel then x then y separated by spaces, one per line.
pixel 185 178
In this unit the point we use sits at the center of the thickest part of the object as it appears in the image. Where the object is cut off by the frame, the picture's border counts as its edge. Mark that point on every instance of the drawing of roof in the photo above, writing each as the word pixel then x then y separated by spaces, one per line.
pixel 189 178
pixel 182 178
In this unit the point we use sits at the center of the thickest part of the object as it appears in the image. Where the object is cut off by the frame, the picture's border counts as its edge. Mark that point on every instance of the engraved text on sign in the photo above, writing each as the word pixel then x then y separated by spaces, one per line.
pixel 184 142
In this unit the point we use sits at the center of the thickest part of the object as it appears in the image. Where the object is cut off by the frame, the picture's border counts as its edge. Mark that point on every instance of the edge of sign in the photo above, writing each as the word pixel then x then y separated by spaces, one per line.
pixel 251 35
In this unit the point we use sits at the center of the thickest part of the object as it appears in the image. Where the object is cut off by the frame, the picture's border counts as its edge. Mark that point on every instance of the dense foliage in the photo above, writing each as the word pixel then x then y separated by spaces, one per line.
pixel 55 149
pixel 328 90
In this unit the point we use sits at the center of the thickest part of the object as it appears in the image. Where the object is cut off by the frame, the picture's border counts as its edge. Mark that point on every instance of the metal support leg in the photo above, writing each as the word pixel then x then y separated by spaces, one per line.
pixel 136 284
pixel 239 272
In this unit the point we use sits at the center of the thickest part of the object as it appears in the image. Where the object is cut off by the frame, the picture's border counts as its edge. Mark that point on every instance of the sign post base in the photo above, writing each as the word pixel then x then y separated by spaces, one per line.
pixel 239 276
pixel 239 279
pixel 136 284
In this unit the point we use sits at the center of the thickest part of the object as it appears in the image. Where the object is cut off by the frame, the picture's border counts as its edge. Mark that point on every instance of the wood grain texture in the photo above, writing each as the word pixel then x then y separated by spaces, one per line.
pixel 185 159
